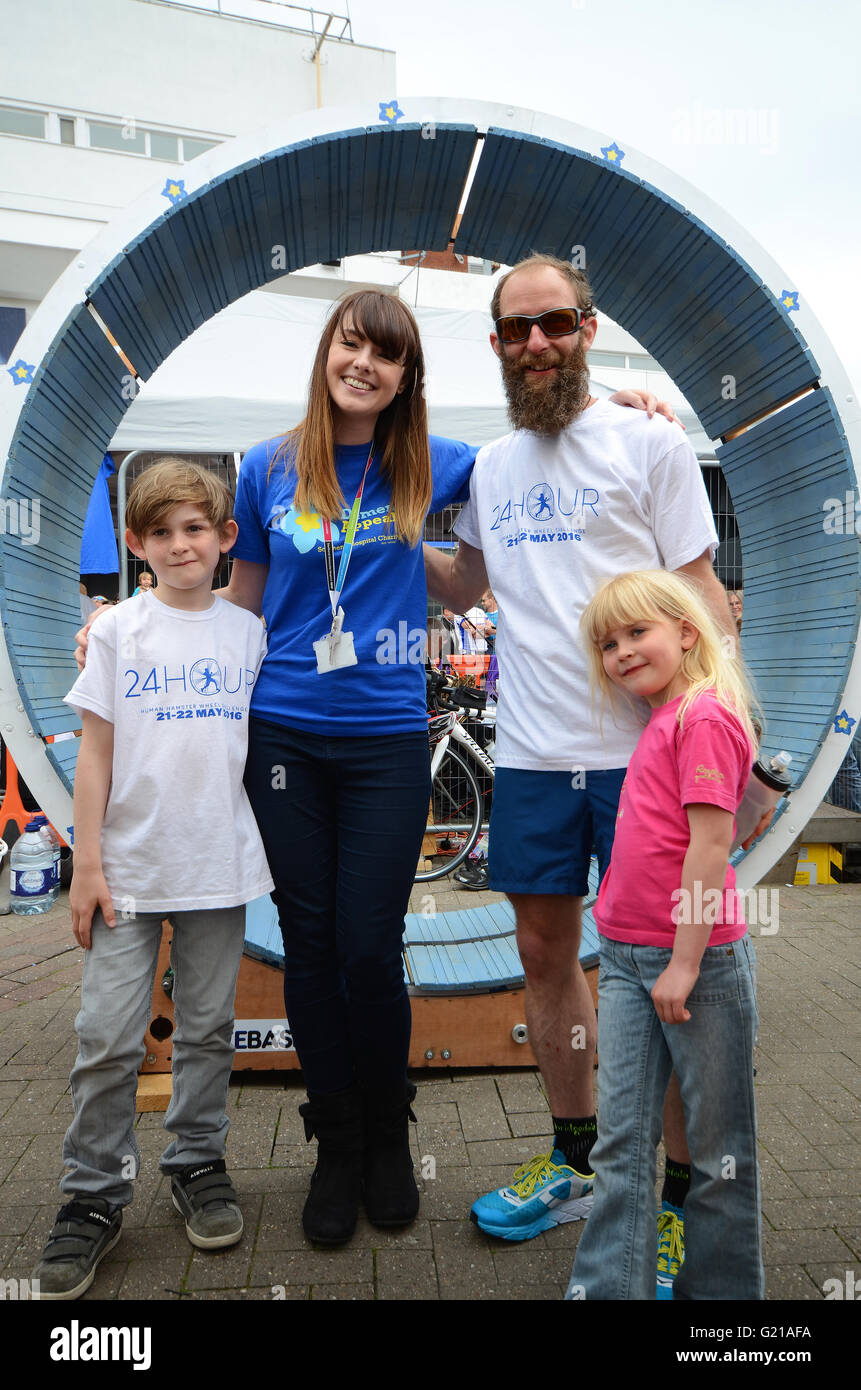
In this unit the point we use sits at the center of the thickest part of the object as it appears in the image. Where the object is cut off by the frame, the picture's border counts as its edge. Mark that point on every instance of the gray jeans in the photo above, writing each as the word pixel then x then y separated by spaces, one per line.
pixel 100 1150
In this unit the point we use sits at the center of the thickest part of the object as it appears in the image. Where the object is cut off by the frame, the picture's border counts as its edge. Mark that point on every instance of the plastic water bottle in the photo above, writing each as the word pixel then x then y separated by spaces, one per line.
pixel 769 781
pixel 54 841
pixel 32 872
pixel 5 906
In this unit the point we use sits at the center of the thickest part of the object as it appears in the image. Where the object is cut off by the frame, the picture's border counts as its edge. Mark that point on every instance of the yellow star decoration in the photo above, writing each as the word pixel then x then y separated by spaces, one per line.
pixel 842 724
pixel 174 189
pixel 309 521
pixel 21 372
pixel 611 154
pixel 788 300
pixel 390 113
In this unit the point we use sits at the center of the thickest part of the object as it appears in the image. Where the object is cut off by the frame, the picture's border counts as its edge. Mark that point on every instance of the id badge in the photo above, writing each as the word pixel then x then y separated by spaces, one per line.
pixel 336 649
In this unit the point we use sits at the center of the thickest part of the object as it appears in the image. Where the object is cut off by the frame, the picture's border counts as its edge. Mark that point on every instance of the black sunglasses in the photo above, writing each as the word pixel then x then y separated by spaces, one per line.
pixel 554 323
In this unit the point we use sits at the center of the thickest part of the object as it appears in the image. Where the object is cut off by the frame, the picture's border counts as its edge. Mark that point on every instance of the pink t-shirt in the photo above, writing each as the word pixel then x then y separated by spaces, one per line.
pixel 707 761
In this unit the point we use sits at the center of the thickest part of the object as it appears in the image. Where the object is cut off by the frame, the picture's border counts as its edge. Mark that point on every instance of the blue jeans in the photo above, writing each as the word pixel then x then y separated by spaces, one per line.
pixel 712 1054
pixel 100 1149
pixel 342 821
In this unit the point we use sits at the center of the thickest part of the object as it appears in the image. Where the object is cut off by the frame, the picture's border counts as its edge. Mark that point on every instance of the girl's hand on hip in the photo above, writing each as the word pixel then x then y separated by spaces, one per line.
pixel 671 990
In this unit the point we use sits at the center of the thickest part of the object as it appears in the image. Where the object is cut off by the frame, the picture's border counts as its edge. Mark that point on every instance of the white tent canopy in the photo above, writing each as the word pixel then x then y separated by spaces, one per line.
pixel 243 376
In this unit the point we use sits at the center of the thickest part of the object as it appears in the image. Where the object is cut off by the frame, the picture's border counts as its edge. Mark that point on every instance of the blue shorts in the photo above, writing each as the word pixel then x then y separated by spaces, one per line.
pixel 543 830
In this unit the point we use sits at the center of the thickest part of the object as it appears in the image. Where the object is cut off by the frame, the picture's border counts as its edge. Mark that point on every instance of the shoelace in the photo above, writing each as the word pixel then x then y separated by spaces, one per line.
pixel 671 1243
pixel 532 1175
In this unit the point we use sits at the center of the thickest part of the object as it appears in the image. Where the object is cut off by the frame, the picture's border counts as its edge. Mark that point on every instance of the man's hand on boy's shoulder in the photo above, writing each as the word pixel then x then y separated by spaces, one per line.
pixel 83 637
pixel 88 892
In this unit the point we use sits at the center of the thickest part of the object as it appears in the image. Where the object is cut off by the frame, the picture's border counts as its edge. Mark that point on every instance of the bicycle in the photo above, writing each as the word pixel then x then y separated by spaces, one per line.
pixel 462 774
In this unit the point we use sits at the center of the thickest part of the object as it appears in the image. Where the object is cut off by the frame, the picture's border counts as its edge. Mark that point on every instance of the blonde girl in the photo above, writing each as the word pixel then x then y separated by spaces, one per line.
pixel 676 988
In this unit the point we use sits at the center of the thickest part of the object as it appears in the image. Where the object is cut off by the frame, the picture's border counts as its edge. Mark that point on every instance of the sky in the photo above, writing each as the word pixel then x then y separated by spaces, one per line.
pixel 662 77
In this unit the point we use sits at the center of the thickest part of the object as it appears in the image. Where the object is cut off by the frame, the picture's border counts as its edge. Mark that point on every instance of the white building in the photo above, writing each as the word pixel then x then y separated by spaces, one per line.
pixel 101 99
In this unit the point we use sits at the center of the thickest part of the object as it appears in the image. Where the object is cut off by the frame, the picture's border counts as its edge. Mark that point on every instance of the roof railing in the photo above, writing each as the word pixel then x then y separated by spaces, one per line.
pixel 303 18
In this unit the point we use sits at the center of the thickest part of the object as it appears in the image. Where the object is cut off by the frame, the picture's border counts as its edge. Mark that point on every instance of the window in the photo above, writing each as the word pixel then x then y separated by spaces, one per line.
pixel 192 148
pixel 607 359
pixel 126 138
pixel 17 122
pixel 157 144
pixel 163 146
pixel 12 321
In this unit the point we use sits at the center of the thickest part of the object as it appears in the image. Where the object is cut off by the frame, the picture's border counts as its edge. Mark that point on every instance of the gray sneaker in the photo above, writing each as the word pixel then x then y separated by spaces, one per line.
pixel 85 1230
pixel 205 1196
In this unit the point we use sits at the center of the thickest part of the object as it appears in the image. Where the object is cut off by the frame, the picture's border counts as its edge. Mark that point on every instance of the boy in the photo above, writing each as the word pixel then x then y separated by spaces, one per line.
pixel 162 827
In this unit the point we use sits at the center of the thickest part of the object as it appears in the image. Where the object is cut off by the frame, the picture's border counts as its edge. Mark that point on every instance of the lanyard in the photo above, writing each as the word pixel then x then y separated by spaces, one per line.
pixel 336 585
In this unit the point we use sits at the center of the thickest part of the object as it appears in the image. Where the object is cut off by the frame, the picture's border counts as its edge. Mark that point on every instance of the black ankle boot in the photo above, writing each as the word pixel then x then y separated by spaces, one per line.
pixel 330 1213
pixel 388 1187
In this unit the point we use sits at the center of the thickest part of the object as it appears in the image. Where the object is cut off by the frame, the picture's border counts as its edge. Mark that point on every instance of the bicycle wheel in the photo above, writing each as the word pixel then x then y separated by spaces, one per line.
pixel 455 822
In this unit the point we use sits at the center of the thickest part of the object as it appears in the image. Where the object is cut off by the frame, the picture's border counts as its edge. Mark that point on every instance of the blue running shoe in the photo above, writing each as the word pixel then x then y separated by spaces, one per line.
pixel 544 1193
pixel 671 1248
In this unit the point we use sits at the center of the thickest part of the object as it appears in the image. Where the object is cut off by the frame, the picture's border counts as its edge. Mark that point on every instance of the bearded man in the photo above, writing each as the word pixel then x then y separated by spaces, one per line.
pixel 580 491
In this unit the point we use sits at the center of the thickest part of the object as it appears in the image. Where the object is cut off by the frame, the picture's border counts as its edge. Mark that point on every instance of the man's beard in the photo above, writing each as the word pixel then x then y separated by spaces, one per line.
pixel 549 407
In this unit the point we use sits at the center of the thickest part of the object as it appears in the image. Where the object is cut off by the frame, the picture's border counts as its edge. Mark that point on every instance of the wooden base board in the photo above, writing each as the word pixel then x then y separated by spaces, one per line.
pixel 154 1091
pixel 448 1030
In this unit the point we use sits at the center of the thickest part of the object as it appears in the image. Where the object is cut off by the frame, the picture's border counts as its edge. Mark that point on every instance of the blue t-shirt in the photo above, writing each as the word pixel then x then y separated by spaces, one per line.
pixel 384 596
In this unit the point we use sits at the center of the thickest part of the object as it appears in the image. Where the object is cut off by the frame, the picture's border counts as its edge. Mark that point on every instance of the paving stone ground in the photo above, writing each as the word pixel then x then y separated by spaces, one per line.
pixel 474 1126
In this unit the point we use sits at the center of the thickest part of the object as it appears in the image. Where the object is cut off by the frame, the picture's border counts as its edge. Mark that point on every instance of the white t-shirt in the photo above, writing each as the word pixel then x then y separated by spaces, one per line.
pixel 471 628
pixel 179 833
pixel 555 518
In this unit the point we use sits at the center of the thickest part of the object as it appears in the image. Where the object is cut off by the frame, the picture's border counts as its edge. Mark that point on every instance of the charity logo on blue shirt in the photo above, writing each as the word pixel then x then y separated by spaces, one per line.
pixel 304 528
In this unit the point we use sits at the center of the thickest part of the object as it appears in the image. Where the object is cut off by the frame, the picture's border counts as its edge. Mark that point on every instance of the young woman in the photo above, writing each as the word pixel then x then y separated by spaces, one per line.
pixel 330 520
pixel 676 984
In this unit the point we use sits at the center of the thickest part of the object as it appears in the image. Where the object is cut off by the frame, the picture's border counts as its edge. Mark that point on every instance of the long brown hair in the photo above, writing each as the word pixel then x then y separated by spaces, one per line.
pixel 401 429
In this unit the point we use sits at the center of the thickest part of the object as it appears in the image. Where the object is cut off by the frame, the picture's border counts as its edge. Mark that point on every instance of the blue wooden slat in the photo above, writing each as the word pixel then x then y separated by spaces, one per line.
pixel 64 757
pixel 340 167
pixel 475 948
pixel 161 264
pixel 463 924
pixel 456 968
pixel 76 400
pixel 801 592
pixel 285 192
pixel 134 295
pixel 243 214
pixel 436 185
pixel 71 411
